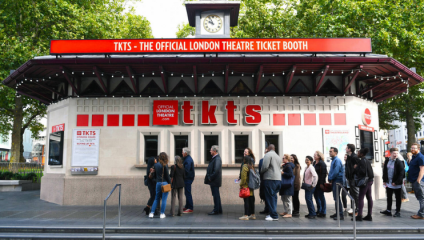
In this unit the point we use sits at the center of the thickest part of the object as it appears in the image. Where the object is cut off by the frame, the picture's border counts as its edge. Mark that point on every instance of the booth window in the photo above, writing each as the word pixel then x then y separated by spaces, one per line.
pixel 150 147
pixel 180 142
pixel 272 139
pixel 367 142
pixel 209 141
pixel 56 148
pixel 241 142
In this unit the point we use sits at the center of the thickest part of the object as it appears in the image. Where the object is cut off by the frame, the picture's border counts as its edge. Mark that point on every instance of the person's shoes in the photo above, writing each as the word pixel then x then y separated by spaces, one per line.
pixel 334 215
pixel 412 192
pixel 350 211
pixel 244 218
pixel 185 209
pixel 351 214
pixel 151 215
pixel 358 218
pixel 295 214
pixel 252 217
pixel 367 218
pixel 306 216
pixel 397 214
pixel 188 211
pixel 269 218
pixel 321 215
pixel 287 216
pixel 416 217
pixel 282 214
pixel 386 212
pixel 170 215
pixel 162 215
pixel 147 210
pixel 341 218
pixel 213 213
pixel 264 212
pixel 310 217
pixel 345 209
pixel 405 200
pixel 179 214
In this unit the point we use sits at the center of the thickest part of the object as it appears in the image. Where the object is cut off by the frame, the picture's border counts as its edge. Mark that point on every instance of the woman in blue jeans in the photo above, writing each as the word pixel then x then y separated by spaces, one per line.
pixel 310 177
pixel 321 170
pixel 161 174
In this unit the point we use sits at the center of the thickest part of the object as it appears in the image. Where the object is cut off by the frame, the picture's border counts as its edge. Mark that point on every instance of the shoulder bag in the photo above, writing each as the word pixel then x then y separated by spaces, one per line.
pixel 328 187
pixel 362 182
pixel 146 180
pixel 244 193
pixel 305 186
pixel 165 188
pixel 287 182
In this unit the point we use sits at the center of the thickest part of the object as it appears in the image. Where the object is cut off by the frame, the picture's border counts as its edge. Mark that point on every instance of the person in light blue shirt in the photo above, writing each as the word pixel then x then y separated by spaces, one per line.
pixel 415 176
pixel 336 176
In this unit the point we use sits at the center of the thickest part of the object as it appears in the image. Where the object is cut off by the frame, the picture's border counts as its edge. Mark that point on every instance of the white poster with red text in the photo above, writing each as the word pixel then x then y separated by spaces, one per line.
pixel 85 147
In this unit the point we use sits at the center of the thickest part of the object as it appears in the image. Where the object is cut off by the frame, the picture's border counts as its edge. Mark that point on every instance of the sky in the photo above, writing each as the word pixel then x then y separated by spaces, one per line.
pixel 164 16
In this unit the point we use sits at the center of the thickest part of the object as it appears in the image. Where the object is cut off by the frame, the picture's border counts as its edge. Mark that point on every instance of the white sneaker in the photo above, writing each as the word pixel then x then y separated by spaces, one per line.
pixel 162 215
pixel 151 215
pixel 269 218
pixel 350 210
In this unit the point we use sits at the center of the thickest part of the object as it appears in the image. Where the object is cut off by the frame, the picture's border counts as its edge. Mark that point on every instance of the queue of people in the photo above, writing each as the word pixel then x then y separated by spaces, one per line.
pixel 282 176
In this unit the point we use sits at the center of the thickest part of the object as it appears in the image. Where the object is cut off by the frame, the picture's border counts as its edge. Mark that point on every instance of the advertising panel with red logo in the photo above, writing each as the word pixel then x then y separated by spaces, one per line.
pixel 58 128
pixel 85 147
pixel 366 117
pixel 165 112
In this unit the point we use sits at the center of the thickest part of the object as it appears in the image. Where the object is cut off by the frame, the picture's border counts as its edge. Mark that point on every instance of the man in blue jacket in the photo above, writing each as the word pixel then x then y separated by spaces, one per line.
pixel 189 178
pixel 336 176
pixel 416 177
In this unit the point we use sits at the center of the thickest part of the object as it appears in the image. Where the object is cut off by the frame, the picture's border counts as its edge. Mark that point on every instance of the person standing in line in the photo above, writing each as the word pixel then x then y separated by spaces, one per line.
pixel 151 184
pixel 310 177
pixel 404 193
pixel 249 202
pixel 214 179
pixel 177 184
pixel 261 187
pixel 361 170
pixel 162 178
pixel 188 181
pixel 345 185
pixel 393 174
pixel 352 159
pixel 415 176
pixel 336 176
pixel 297 184
pixel 272 181
pixel 287 193
pixel 247 152
pixel 321 170
pixel 409 158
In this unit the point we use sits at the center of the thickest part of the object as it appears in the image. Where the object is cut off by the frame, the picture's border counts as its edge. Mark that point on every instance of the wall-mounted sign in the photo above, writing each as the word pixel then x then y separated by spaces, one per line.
pixel 366 117
pixel 366 128
pixel 58 128
pixel 165 112
pixel 338 138
pixel 271 45
pixel 85 147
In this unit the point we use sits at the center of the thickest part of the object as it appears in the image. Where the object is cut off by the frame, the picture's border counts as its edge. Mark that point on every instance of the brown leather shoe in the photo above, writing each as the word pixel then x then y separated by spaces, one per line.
pixel 282 214
pixel 416 217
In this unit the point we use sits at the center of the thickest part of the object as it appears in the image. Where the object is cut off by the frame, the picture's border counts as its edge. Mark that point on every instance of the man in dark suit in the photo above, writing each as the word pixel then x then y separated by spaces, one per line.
pixel 214 179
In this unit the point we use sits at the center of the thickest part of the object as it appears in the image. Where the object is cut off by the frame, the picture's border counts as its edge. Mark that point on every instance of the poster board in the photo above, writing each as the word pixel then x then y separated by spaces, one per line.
pixel 338 138
pixel 85 147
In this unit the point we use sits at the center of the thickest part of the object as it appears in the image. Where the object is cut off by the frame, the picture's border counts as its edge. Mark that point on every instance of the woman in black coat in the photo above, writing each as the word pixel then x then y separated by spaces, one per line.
pixel 177 184
pixel 393 174
pixel 151 184
pixel 362 170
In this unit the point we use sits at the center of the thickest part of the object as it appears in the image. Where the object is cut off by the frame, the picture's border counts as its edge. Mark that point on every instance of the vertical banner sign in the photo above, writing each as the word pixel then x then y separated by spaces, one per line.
pixel 58 128
pixel 165 112
pixel 85 148
pixel 335 138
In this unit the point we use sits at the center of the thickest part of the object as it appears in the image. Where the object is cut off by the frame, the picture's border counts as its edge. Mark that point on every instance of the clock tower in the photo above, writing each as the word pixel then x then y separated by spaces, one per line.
pixel 213 19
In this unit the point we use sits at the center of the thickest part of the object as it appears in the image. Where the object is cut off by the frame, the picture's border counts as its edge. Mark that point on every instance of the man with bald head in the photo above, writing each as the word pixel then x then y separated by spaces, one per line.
pixel 272 181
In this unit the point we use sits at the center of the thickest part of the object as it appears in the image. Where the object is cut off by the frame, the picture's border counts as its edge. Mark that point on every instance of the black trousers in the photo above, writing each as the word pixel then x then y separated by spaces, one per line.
pixel 216 200
pixel 398 193
pixel 152 191
pixel 249 205
pixel 296 202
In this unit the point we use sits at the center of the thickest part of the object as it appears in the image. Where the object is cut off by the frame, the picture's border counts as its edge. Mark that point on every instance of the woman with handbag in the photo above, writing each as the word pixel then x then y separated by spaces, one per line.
pixel 363 170
pixel 151 183
pixel 249 200
pixel 321 170
pixel 310 179
pixel 297 184
pixel 287 192
pixel 177 185
pixel 162 183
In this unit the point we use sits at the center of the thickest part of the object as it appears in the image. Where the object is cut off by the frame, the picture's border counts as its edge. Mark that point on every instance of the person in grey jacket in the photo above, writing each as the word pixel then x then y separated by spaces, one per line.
pixel 272 181
pixel 214 179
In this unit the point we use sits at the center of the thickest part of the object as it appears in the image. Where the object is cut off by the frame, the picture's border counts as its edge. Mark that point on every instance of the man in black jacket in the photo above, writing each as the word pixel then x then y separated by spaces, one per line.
pixel 351 161
pixel 393 174
pixel 214 179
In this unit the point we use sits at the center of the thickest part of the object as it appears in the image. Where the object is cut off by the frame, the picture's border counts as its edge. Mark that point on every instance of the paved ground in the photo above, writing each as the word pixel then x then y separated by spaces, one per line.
pixel 26 209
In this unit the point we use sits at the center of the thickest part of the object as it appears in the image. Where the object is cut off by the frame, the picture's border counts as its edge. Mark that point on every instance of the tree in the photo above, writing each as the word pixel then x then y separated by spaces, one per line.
pixel 184 30
pixel 26 28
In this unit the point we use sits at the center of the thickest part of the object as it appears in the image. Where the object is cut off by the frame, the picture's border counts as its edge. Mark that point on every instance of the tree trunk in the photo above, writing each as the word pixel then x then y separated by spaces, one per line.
pixel 410 128
pixel 16 154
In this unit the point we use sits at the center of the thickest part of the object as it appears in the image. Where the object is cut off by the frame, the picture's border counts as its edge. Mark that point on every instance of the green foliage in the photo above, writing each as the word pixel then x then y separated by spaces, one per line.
pixel 20 176
pixel 6 175
pixel 184 30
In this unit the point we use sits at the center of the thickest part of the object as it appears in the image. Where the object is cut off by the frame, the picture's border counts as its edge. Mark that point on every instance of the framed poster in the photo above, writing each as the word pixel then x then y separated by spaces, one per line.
pixel 358 143
pixel 85 147
pixel 356 131
pixel 375 135
pixel 376 146
pixel 338 138
pixel 376 157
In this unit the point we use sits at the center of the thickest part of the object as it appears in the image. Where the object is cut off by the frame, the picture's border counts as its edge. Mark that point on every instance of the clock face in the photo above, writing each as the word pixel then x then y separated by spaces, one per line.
pixel 212 23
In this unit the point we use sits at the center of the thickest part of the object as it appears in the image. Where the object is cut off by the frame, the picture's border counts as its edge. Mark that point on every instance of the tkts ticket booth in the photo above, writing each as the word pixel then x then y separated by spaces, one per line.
pixel 112 104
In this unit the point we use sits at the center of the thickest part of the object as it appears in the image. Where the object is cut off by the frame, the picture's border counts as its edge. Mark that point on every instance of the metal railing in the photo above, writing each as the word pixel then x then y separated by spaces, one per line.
pixel 119 209
pixel 353 207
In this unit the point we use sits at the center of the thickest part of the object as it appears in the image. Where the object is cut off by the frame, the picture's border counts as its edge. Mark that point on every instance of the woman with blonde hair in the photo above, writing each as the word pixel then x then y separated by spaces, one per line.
pixel 321 170
pixel 161 173
pixel 286 193
pixel 177 185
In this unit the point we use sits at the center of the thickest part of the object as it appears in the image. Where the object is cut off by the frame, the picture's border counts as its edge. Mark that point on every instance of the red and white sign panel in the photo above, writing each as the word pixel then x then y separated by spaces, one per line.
pixel 366 117
pixel 271 45
pixel 165 112
pixel 366 128
pixel 85 147
pixel 58 128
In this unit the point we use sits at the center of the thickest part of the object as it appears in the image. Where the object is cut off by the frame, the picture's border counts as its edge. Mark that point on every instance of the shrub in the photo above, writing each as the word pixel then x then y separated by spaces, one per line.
pixel 6 175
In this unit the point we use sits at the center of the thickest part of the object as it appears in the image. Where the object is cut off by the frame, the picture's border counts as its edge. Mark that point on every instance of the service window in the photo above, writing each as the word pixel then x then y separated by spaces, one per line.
pixel 241 142
pixel 367 141
pixel 150 147
pixel 56 148
pixel 209 141
pixel 180 142
pixel 272 139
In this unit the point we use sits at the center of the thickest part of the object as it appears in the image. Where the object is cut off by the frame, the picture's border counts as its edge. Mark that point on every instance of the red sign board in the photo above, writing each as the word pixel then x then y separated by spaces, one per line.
pixel 366 128
pixel 58 128
pixel 261 45
pixel 366 117
pixel 165 112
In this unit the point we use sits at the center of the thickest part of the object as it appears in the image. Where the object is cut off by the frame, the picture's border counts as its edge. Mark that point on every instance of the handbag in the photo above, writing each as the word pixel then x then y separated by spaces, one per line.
pixel 165 188
pixel 244 193
pixel 146 180
pixel 306 186
pixel 362 182
pixel 287 182
pixel 328 187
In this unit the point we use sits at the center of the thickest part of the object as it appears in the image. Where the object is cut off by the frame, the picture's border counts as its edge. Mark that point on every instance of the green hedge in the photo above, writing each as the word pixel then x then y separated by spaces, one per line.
pixel 18 176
